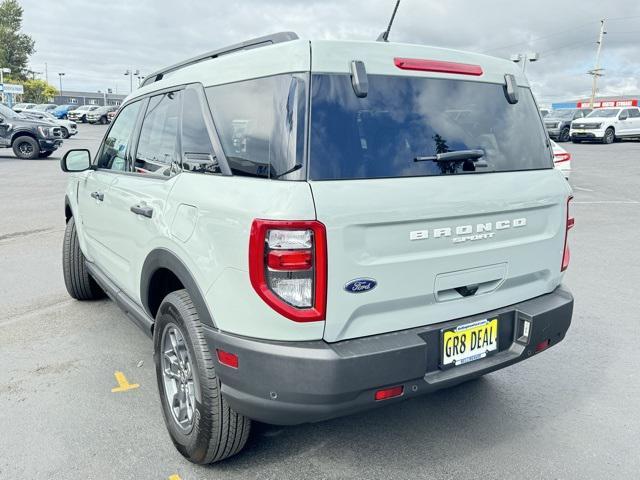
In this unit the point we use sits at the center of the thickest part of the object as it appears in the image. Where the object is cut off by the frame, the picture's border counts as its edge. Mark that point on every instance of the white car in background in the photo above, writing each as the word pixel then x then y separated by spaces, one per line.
pixel 561 159
pixel 67 127
pixel 606 125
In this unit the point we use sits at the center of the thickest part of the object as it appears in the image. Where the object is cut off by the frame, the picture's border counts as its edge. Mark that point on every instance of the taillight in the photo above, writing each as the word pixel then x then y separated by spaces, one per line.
pixel 437 66
pixel 566 256
pixel 561 157
pixel 288 267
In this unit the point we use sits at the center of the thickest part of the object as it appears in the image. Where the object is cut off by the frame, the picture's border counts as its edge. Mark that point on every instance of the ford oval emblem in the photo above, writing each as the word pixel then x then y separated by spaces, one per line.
pixel 360 285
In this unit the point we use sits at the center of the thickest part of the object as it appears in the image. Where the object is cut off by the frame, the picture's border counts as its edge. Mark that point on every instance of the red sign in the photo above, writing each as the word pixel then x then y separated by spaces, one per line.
pixel 609 103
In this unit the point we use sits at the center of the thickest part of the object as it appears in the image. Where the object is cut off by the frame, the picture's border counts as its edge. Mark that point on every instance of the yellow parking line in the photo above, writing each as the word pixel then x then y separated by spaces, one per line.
pixel 175 476
pixel 123 383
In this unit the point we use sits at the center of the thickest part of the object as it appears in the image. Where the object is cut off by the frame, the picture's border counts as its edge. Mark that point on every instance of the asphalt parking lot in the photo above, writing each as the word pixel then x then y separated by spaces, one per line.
pixel 571 412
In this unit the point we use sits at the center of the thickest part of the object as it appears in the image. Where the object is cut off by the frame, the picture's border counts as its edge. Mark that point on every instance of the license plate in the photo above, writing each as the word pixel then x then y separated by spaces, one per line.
pixel 469 342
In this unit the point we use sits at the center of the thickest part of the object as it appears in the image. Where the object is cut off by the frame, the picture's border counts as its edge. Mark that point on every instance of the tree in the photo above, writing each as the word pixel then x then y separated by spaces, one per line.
pixel 15 47
pixel 38 91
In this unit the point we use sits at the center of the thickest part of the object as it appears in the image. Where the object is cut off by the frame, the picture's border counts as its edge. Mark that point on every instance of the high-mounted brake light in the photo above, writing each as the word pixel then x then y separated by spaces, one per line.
pixel 561 157
pixel 437 66
pixel 288 267
pixel 566 256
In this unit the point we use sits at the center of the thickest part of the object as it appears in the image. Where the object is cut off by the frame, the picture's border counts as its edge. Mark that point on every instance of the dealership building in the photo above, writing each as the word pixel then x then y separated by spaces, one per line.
pixel 88 98
pixel 601 102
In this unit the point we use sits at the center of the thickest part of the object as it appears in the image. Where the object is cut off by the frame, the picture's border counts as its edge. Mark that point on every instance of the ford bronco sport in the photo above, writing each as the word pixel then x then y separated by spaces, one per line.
pixel 311 229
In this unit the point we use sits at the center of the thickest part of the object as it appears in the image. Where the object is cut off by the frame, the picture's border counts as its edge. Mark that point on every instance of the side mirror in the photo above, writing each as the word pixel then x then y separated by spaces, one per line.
pixel 77 160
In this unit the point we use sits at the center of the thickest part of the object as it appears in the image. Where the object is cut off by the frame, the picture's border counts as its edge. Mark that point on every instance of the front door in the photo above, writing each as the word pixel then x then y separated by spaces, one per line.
pixel 95 201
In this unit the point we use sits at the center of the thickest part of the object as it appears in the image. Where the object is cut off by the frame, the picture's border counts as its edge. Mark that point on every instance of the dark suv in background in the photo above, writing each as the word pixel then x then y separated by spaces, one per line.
pixel 558 122
pixel 30 138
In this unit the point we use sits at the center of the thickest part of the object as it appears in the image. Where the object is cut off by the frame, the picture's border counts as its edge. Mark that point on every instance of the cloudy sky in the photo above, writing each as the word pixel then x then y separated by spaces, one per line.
pixel 94 42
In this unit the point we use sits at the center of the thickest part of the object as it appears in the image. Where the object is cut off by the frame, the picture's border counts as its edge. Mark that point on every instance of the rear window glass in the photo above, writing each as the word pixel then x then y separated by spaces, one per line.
pixel 404 118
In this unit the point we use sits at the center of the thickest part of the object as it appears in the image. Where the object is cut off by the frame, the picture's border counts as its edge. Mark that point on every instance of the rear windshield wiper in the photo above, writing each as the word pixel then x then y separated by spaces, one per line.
pixel 459 155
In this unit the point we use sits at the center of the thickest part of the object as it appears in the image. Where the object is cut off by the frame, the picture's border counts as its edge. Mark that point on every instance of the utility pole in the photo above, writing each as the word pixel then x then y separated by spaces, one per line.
pixel 597 71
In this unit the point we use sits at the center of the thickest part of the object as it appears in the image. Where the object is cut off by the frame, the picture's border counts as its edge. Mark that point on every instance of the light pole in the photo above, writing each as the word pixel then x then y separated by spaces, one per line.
pixel 131 74
pixel 524 58
pixel 3 70
pixel 60 75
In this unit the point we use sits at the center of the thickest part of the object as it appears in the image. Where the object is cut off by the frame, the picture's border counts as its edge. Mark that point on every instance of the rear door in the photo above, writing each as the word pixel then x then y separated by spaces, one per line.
pixel 435 240
pixel 634 120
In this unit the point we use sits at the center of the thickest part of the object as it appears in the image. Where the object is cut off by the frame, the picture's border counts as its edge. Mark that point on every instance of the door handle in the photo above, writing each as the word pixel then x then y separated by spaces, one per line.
pixel 98 196
pixel 143 210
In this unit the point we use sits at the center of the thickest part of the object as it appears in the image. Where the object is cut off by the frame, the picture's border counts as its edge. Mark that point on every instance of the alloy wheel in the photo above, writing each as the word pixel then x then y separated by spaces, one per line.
pixel 177 375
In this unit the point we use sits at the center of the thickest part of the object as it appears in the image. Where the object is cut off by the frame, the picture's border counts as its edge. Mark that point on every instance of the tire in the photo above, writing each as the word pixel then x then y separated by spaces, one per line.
pixel 214 431
pixel 46 154
pixel 77 278
pixel 564 135
pixel 609 136
pixel 65 132
pixel 26 148
pixel 103 120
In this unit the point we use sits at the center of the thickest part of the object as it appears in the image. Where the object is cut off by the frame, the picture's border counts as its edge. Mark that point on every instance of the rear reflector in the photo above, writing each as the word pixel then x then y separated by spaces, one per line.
pixel 542 346
pixel 437 66
pixel 387 393
pixel 228 359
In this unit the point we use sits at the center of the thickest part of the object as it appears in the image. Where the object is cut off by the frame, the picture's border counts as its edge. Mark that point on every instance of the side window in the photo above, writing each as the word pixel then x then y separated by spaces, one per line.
pixel 261 124
pixel 112 154
pixel 197 152
pixel 624 114
pixel 157 150
pixel 634 113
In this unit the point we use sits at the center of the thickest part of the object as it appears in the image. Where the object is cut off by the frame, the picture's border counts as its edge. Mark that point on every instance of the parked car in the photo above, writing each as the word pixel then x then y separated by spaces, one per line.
pixel 544 112
pixel 290 274
pixel 67 127
pixel 558 122
pixel 80 114
pixel 30 138
pixel 561 159
pixel 111 115
pixel 607 125
pixel 100 115
pixel 45 107
pixel 19 107
pixel 61 111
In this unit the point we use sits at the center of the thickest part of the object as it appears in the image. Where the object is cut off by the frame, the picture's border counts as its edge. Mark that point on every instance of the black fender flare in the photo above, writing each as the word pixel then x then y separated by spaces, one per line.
pixel 163 258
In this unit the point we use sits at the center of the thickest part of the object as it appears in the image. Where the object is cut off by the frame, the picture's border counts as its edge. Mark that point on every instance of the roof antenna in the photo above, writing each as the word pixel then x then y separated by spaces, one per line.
pixel 384 36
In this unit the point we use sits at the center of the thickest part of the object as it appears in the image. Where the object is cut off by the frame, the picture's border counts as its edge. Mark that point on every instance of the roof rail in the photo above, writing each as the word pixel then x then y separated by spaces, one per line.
pixel 246 45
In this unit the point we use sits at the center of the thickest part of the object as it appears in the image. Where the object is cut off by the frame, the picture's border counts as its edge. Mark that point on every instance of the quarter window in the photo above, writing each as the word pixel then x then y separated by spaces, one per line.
pixel 261 124
pixel 114 149
pixel 634 113
pixel 157 150
pixel 197 152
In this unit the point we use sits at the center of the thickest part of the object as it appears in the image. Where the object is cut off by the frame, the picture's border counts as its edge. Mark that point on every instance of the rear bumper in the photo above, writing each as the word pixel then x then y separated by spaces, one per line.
pixel 288 383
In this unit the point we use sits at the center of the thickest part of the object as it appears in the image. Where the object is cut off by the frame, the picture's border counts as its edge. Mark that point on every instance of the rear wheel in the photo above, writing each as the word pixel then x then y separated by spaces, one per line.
pixel 202 426
pixel 609 136
pixel 77 278
pixel 26 148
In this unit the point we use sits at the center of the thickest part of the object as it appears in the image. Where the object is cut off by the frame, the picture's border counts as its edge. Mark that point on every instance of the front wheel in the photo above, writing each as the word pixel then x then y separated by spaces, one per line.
pixel 79 282
pixel 609 136
pixel 564 135
pixel 202 426
pixel 65 133
pixel 26 148
pixel 103 120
